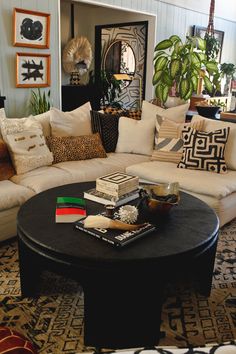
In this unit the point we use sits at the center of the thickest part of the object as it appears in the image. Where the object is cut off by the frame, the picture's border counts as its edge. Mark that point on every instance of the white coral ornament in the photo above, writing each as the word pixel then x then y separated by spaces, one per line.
pixel 128 214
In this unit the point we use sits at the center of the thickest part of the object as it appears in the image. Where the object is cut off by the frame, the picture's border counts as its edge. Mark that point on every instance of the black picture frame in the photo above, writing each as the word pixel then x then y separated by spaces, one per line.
pixel 200 32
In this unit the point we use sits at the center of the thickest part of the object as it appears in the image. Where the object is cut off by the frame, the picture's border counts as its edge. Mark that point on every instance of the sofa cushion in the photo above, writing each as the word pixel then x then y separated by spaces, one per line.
pixel 177 114
pixel 204 150
pixel 135 136
pixel 107 126
pixel 13 195
pixel 214 124
pixel 215 184
pixel 73 123
pixel 42 178
pixel 168 139
pixel 26 143
pixel 73 148
pixel 6 168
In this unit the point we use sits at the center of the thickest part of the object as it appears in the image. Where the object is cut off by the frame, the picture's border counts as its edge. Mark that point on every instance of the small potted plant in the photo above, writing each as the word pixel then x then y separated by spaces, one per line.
pixel 178 65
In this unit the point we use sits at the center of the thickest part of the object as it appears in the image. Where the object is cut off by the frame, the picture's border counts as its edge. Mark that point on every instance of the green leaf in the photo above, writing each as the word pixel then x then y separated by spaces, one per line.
pixel 158 91
pixel 156 77
pixel 211 66
pixel 175 38
pixel 165 92
pixel 190 91
pixel 194 81
pixel 201 43
pixel 202 56
pixel 167 43
pixel 185 64
pixel 161 63
pixel 208 84
pixel 175 67
pixel 167 80
pixel 184 88
pixel 158 54
pixel 196 60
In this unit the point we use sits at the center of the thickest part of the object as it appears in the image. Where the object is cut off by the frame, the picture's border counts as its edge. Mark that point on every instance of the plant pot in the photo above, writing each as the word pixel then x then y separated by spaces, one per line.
pixel 173 101
pixel 208 111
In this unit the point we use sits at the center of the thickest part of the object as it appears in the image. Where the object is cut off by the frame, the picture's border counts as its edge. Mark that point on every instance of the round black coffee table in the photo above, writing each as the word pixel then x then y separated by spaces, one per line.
pixel 123 288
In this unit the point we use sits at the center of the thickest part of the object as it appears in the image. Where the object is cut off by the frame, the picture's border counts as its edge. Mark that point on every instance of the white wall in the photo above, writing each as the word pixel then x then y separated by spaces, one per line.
pixel 17 98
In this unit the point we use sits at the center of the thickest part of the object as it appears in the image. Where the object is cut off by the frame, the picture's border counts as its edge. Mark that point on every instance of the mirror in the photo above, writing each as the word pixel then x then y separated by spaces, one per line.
pixel 119 59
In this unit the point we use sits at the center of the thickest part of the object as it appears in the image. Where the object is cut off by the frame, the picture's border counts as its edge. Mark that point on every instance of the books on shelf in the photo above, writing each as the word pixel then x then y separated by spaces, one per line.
pixel 117 238
pixel 70 209
pixel 105 199
pixel 117 184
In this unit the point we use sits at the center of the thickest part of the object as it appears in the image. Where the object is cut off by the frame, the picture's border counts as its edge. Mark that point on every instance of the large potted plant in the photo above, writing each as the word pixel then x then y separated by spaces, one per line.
pixel 178 65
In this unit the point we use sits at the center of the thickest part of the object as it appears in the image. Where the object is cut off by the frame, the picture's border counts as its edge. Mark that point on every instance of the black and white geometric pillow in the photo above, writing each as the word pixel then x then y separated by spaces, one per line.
pixel 107 126
pixel 204 150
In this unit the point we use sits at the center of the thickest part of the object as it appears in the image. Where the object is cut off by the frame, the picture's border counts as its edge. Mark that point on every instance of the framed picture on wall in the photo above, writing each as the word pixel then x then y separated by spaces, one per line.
pixel 219 35
pixel 31 28
pixel 32 70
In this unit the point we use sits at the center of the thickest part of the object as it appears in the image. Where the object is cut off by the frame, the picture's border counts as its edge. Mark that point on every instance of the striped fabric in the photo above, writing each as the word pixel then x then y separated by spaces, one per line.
pixel 168 139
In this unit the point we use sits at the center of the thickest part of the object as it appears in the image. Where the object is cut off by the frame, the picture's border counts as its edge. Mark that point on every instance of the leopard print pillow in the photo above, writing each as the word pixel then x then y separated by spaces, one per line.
pixel 73 148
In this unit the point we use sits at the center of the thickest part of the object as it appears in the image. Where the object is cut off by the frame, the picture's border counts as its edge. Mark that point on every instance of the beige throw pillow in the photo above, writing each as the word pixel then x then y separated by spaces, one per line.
pixel 177 114
pixel 74 123
pixel 26 143
pixel 135 136
pixel 230 148
pixel 168 139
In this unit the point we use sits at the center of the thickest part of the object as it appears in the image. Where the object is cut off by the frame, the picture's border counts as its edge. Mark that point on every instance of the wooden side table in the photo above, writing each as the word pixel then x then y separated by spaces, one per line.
pixel 2 99
pixel 74 96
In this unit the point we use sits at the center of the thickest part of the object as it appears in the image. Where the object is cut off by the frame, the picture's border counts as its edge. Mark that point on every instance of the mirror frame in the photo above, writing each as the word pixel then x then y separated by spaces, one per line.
pixel 98 51
pixel 103 64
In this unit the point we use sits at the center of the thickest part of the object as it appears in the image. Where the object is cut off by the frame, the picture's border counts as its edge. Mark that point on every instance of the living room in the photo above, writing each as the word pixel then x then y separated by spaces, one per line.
pixel 58 319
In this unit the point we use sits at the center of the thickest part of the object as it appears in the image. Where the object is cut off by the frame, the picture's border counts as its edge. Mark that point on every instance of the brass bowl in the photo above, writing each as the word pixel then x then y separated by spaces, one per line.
pixel 159 199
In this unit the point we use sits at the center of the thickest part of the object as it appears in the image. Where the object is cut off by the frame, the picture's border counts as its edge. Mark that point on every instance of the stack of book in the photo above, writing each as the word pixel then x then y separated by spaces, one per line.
pixel 70 209
pixel 115 188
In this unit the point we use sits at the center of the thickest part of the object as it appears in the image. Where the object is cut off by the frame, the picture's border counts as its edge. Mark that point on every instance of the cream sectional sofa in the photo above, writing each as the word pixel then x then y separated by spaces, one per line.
pixel 217 190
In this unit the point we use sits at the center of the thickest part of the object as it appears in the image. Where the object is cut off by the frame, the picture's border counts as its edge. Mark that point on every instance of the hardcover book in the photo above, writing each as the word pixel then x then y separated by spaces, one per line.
pixel 105 199
pixel 70 209
pixel 117 238
pixel 117 184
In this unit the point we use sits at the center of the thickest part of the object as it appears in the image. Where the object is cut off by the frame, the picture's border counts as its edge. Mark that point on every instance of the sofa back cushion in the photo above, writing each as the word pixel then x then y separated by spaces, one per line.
pixel 204 150
pixel 135 136
pixel 73 123
pixel 177 114
pixel 230 149
pixel 44 120
pixel 6 167
pixel 168 139
pixel 26 143
pixel 73 148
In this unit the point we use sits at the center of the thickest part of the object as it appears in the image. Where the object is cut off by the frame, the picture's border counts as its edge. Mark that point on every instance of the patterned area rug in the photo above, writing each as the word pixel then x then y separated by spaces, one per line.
pixel 54 322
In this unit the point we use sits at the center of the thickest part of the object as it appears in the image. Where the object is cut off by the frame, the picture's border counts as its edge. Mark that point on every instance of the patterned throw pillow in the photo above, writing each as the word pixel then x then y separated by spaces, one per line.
pixel 26 143
pixel 204 150
pixel 6 168
pixel 107 126
pixel 73 148
pixel 168 139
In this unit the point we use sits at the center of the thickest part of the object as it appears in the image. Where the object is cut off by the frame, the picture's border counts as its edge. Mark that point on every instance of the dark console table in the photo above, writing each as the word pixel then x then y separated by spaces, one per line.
pixel 74 96
pixel 2 99
pixel 123 288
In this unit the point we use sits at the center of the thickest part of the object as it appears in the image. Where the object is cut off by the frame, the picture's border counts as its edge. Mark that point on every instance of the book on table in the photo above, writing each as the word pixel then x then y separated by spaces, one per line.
pixel 105 199
pixel 70 209
pixel 117 184
pixel 117 238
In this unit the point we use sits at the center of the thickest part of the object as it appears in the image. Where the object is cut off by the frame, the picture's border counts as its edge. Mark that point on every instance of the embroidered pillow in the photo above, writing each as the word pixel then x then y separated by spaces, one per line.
pixel 107 126
pixel 6 168
pixel 177 114
pixel 26 143
pixel 204 150
pixel 73 148
pixel 135 136
pixel 168 139
pixel 74 123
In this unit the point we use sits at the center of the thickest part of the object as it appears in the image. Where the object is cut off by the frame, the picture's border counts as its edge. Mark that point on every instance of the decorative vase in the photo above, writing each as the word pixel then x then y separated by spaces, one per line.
pixel 173 101
pixel 208 111
pixel 74 78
